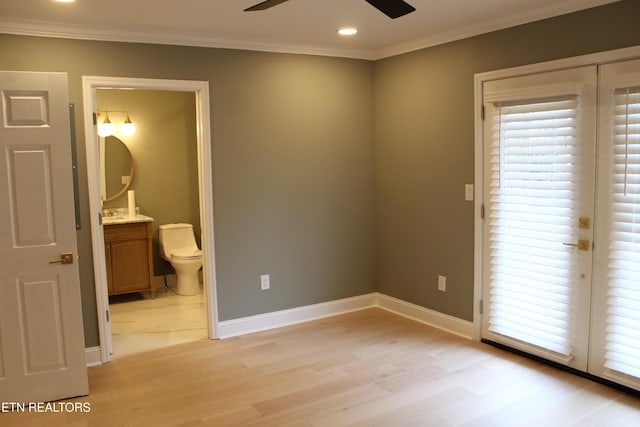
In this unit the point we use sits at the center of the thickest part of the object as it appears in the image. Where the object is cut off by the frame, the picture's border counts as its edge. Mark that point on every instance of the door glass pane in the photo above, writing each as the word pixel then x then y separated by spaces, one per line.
pixel 618 271
pixel 532 194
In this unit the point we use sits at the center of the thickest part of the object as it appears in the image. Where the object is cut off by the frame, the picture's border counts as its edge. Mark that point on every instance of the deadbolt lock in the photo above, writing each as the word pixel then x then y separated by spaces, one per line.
pixel 65 258
pixel 584 223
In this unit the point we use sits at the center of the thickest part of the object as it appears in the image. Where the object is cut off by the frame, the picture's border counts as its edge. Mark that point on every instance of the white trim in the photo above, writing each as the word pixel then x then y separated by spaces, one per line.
pixel 622 81
pixel 445 322
pixel 69 31
pixel 205 181
pixel 277 319
pixel 93 356
pixel 479 79
pixel 478 206
pixel 534 92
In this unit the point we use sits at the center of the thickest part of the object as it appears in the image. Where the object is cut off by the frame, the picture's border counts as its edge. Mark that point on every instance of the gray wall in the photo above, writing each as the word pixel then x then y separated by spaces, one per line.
pixel 292 164
pixel 293 154
pixel 424 146
pixel 164 152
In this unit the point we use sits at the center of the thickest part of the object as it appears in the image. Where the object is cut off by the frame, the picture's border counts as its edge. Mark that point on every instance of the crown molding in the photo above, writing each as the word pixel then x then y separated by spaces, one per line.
pixel 76 32
pixel 66 31
pixel 500 23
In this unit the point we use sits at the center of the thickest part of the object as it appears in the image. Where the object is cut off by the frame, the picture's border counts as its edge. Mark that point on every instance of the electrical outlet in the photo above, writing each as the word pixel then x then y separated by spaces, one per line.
pixel 264 282
pixel 442 283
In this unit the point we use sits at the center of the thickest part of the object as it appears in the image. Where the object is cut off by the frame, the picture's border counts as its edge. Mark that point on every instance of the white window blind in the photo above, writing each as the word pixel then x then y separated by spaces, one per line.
pixel 622 342
pixel 534 163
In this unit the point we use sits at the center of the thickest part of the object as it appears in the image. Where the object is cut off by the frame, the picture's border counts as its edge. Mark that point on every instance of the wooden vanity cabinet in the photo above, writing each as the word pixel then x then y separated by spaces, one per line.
pixel 129 257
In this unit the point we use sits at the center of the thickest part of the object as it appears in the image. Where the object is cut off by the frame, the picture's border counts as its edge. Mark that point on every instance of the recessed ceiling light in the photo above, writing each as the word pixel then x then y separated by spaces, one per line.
pixel 348 31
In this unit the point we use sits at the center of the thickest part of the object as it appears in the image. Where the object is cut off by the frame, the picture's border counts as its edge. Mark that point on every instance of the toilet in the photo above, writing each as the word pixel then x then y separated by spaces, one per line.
pixel 178 246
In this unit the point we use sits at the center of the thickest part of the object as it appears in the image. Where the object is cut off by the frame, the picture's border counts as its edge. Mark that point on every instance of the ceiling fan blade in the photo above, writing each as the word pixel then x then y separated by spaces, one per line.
pixel 392 8
pixel 265 5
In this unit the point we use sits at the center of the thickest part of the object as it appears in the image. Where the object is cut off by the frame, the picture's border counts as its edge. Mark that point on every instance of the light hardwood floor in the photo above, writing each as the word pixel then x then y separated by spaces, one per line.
pixel 367 368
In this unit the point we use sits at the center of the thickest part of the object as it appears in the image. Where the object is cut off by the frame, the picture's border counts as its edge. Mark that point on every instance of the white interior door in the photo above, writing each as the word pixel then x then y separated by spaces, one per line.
pixel 615 345
pixel 539 134
pixel 41 331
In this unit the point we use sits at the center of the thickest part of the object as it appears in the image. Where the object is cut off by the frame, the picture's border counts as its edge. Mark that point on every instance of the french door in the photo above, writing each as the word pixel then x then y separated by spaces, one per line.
pixel 561 269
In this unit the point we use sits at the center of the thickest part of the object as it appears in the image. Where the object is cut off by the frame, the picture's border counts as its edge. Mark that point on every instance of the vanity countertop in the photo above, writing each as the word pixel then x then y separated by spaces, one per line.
pixel 125 219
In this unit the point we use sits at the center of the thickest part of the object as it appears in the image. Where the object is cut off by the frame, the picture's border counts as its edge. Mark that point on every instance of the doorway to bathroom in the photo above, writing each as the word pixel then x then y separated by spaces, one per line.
pixel 171 179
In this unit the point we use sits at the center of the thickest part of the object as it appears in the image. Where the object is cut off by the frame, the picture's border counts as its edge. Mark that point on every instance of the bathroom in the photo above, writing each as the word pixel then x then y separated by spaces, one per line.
pixel 163 152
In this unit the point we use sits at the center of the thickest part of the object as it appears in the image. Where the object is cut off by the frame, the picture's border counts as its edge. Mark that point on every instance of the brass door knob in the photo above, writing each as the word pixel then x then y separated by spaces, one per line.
pixel 65 258
pixel 582 245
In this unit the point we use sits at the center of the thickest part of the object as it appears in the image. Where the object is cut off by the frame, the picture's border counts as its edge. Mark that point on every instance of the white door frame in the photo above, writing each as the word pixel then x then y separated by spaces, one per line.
pixel 479 79
pixel 205 183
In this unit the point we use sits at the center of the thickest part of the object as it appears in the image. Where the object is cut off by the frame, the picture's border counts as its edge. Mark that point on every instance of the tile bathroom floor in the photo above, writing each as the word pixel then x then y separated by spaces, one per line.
pixel 139 323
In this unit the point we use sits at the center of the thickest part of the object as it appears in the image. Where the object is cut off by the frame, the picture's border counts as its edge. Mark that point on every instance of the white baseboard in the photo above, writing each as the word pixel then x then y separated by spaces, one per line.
pixel 92 356
pixel 261 322
pixel 424 315
pixel 276 319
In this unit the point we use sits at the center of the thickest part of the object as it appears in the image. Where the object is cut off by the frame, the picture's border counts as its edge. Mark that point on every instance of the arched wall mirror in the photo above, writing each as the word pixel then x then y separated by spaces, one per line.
pixel 116 167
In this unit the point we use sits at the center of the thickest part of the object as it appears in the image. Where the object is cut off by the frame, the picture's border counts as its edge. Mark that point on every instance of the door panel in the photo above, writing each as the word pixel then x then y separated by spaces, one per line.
pixel 41 325
pixel 29 185
pixel 41 332
pixel 615 336
pixel 539 135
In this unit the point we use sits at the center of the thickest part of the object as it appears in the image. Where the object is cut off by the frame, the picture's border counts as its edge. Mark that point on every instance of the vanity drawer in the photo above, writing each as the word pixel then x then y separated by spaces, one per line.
pixel 132 230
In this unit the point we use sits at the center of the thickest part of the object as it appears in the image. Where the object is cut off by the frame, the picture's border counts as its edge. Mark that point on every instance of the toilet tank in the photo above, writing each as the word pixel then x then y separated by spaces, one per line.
pixel 175 236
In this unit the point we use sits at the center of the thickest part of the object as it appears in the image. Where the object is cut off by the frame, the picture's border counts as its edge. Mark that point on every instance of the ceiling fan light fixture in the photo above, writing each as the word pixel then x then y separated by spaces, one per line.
pixel 348 31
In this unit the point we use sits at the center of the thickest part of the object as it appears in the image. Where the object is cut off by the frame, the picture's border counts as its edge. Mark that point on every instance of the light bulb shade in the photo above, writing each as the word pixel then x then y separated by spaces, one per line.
pixel 128 128
pixel 106 128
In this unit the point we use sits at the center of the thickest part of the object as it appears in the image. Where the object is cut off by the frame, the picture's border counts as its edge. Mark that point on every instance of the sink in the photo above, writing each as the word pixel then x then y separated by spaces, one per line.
pixel 125 219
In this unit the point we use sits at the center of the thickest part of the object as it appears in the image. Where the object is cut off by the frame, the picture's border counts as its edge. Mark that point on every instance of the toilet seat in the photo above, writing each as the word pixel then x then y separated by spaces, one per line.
pixel 186 254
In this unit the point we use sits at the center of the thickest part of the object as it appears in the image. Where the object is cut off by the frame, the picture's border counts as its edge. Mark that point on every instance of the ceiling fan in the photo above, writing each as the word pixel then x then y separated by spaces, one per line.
pixel 392 8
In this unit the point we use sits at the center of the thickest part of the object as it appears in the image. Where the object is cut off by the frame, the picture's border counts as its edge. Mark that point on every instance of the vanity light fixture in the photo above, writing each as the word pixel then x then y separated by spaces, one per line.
pixel 64 1
pixel 128 128
pixel 348 31
pixel 107 128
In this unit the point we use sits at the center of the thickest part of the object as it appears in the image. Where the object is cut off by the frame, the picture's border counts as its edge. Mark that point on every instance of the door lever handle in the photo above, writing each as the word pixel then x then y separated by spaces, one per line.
pixel 582 245
pixel 65 258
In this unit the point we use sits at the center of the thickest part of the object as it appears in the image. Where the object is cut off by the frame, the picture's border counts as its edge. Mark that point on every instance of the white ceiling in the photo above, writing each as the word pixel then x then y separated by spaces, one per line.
pixel 298 26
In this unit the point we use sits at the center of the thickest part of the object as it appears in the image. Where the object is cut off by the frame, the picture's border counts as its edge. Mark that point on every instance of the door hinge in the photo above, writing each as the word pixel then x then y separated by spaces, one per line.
pixel 481 306
pixel 482 112
pixel 482 211
pixel 95 119
pixel 107 313
pixel 99 219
